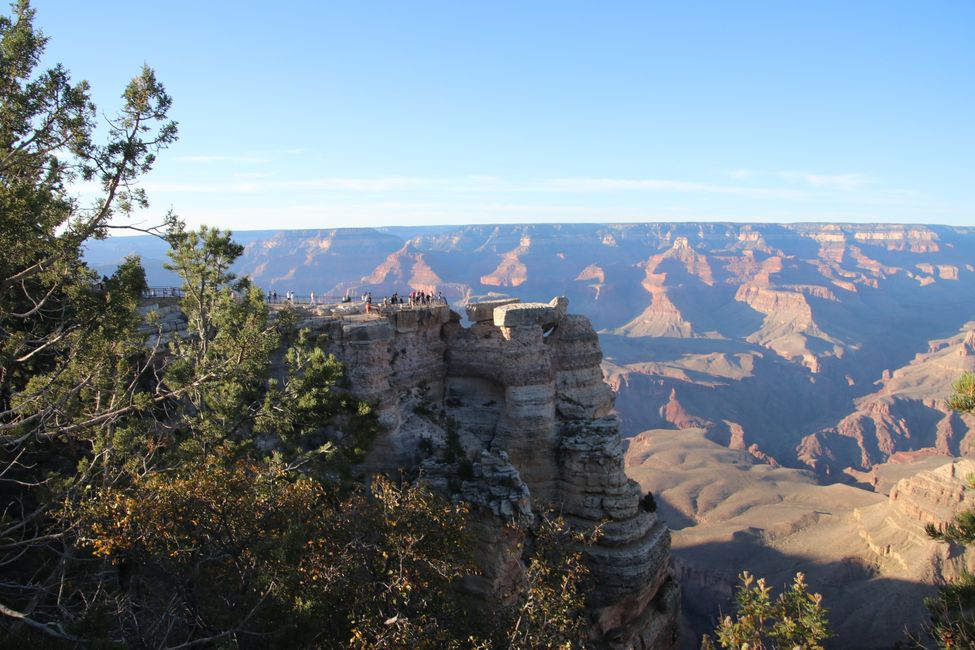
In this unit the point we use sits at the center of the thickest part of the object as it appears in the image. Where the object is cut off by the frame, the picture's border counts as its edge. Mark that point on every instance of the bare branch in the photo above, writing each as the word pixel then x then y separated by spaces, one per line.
pixel 54 630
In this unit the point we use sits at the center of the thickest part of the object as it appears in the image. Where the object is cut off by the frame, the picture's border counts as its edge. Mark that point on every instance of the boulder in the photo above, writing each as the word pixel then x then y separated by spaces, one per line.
pixel 483 311
pixel 528 314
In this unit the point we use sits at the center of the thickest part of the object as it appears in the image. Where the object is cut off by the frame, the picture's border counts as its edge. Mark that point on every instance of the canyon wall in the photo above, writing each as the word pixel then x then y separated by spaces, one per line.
pixel 865 551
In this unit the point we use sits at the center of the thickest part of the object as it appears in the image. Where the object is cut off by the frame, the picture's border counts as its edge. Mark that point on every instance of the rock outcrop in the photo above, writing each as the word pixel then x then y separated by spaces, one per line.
pixel 520 398
pixel 894 530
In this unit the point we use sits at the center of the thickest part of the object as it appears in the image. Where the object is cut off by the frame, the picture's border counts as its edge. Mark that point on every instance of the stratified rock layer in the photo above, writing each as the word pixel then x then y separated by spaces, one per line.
pixel 523 398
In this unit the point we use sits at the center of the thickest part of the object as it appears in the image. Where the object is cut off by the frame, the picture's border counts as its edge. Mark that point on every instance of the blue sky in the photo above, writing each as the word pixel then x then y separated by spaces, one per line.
pixel 313 114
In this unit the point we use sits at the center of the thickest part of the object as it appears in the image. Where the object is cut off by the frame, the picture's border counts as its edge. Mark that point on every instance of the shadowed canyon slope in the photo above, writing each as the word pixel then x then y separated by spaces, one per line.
pixel 865 551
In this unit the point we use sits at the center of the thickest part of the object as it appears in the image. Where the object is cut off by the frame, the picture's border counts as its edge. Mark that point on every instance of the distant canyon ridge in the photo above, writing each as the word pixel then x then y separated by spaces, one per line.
pixel 823 346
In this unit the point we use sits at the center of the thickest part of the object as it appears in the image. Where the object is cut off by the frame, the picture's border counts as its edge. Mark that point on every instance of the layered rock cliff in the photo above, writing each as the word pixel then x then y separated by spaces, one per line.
pixel 512 415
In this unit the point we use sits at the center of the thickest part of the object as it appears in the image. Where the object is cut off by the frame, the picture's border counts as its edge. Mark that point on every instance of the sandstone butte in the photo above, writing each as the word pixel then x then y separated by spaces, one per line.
pixel 523 388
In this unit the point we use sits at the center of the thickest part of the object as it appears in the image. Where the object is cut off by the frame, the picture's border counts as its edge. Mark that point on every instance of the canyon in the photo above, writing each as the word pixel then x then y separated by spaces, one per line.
pixel 775 384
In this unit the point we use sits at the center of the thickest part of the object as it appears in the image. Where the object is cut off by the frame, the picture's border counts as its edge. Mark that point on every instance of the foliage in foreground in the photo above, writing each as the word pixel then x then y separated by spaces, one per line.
pixel 953 614
pixel 795 619
pixel 251 552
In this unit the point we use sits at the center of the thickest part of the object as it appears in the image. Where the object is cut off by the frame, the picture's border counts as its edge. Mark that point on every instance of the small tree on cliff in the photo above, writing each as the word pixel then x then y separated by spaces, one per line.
pixel 953 609
pixel 796 619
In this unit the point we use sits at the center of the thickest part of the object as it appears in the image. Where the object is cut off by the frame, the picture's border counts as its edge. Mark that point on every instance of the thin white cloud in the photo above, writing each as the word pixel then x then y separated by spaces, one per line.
pixel 350 184
pixel 840 182
pixel 665 185
pixel 198 188
pixel 480 184
pixel 817 193
pixel 742 174
pixel 236 159
pixel 249 158
pixel 357 184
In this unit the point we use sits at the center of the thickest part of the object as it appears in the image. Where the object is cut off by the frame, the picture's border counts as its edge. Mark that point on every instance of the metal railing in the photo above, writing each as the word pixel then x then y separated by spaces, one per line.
pixel 274 298
pixel 163 292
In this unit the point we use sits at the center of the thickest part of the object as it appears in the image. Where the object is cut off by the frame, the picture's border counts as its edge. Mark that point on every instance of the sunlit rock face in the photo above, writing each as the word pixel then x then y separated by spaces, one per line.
pixel 520 393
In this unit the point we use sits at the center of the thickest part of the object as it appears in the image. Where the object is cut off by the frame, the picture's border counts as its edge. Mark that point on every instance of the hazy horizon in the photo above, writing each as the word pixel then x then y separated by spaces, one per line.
pixel 449 226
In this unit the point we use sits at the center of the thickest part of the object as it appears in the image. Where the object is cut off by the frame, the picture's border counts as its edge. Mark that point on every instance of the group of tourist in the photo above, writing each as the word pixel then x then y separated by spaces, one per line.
pixel 290 297
pixel 414 299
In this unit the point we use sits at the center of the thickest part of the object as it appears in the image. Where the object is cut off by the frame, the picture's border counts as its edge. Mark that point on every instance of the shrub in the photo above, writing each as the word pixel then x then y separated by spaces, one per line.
pixel 794 620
